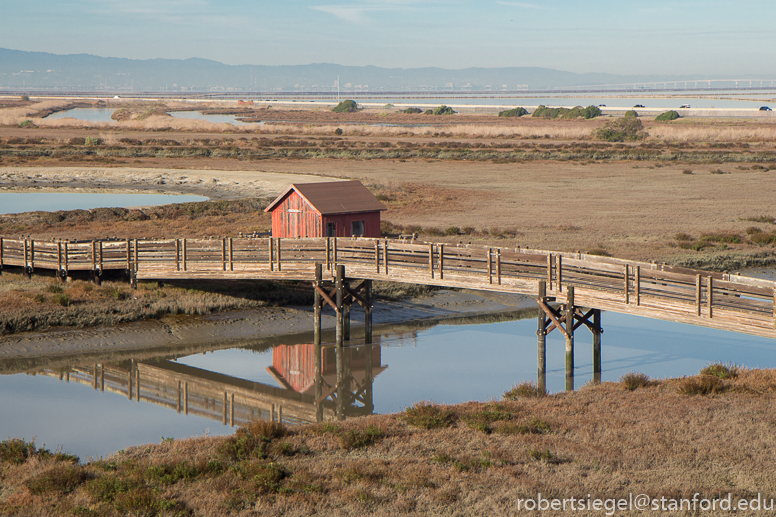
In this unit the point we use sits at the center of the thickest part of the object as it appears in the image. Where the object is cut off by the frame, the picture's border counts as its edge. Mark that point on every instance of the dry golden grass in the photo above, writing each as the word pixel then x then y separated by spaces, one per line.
pixel 601 442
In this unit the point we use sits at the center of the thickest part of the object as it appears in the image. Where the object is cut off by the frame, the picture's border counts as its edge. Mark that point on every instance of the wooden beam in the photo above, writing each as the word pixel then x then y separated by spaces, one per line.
pixel 638 285
pixel 626 289
pixel 551 314
pixel 710 295
pixel 326 297
pixel 559 272
pixel 431 259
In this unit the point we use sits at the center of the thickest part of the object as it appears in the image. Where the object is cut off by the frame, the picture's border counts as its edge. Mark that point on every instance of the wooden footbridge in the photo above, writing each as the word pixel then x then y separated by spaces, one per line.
pixel 562 283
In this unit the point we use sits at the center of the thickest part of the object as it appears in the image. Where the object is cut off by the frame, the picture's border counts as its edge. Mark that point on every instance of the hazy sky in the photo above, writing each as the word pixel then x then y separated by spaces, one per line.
pixel 712 37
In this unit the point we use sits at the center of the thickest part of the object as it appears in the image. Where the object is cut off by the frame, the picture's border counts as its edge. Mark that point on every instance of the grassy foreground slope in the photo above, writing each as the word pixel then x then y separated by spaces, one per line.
pixel 711 434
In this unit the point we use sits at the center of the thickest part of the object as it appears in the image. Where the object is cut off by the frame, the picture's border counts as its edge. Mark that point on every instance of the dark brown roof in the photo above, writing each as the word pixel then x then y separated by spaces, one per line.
pixel 333 197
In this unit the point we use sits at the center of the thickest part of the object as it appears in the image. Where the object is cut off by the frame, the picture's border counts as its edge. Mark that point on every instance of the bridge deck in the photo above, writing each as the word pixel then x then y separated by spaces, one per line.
pixel 717 300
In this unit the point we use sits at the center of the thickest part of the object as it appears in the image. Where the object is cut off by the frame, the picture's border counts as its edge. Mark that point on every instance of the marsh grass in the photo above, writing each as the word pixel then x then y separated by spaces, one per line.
pixel 581 442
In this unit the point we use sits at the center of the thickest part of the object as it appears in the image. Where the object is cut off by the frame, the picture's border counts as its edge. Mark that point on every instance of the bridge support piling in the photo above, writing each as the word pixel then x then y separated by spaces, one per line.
pixel 596 330
pixel 340 296
pixel 570 310
pixel 346 312
pixel 368 314
pixel 541 346
pixel 317 305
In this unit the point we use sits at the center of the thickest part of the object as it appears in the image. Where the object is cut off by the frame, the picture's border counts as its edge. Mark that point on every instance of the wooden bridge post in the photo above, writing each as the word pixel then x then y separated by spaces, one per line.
pixel 346 312
pixel 541 346
pixel 317 365
pixel 368 313
pixel 340 405
pixel 317 306
pixel 596 345
pixel 340 294
pixel 570 309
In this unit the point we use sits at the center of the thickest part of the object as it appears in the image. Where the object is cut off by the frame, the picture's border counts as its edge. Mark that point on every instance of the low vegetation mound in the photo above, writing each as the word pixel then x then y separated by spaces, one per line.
pixel 667 116
pixel 514 112
pixel 346 106
pixel 444 110
pixel 621 130
pixel 412 111
pixel 567 113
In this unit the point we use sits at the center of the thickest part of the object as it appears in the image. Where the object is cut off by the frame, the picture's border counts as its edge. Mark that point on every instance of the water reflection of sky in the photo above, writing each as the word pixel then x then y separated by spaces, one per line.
pixel 446 364
pixel 16 202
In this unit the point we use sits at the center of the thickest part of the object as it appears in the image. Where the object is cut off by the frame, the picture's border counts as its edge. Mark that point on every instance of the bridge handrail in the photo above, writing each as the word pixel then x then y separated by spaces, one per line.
pixel 398 260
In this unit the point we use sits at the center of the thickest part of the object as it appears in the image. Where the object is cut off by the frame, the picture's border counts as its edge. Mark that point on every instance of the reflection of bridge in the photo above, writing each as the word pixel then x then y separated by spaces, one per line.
pixel 233 401
pixel 562 283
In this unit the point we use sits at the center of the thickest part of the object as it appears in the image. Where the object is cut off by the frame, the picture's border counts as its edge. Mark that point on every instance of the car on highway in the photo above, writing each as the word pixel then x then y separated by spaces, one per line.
pixel 638 106
pixel 684 106
pixel 765 108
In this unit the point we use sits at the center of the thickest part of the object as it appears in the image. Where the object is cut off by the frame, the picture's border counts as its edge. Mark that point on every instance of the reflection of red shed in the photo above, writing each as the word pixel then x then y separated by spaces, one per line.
pixel 331 209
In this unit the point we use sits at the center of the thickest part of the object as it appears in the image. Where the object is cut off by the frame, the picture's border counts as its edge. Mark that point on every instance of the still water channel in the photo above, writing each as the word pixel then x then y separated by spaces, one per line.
pixel 90 407
pixel 16 202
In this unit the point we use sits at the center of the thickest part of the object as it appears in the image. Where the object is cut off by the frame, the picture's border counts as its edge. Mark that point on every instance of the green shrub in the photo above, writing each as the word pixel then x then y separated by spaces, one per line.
pixel 514 112
pixel 631 114
pixel 346 106
pixel 444 110
pixel 763 239
pixel 633 381
pixel 26 123
pixel 428 416
pixel 567 113
pixel 24 98
pixel 622 129
pixel 338 131
pixel 453 230
pixel 524 389
pixel 412 111
pixel 428 112
pixel 723 371
pixel 62 299
pixel 667 116
pixel 92 140
pixel 16 451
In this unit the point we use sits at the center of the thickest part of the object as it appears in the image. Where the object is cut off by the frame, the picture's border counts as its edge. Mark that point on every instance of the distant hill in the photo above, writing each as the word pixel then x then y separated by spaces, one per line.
pixel 39 70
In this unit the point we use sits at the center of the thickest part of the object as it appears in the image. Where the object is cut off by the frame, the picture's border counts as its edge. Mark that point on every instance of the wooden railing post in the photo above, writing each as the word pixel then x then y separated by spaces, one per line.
pixel 1 255
pixel 559 272
pixel 231 254
pixel 137 255
pixel 377 256
pixel 59 259
pixel 184 254
pixel 627 285
pixel 431 260
pixel 271 254
pixel 385 256
pixel 549 271
pixel 441 261
pixel 490 267
pixel 99 248
pixel 223 253
pixel 177 254
pixel 278 254
pixel 498 265
pixel 698 295
pixel 637 286
pixel 32 255
pixel 710 295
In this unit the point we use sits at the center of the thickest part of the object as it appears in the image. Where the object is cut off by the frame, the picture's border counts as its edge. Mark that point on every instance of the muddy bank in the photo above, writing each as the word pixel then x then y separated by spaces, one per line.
pixel 245 327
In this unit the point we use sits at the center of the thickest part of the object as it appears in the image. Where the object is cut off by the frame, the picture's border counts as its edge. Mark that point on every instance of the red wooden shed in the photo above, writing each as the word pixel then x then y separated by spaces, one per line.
pixel 330 209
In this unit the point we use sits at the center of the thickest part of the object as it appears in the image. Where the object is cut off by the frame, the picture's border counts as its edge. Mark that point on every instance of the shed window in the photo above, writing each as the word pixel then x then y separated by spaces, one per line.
pixel 357 228
pixel 331 229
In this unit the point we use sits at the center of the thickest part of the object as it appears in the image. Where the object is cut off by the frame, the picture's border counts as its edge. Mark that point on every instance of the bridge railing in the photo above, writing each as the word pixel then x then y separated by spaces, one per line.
pixel 617 280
